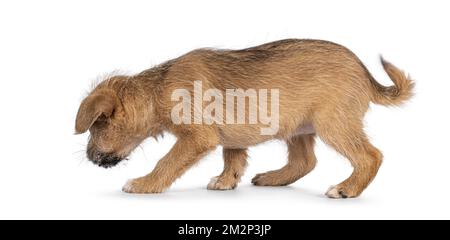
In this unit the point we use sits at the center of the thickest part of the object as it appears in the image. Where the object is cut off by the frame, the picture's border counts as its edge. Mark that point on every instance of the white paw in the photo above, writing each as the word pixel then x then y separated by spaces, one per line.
pixel 140 186
pixel 128 187
pixel 335 193
pixel 215 184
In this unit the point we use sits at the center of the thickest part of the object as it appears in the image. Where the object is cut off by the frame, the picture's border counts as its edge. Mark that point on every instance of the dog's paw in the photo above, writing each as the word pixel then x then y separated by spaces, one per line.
pixel 222 184
pixel 337 192
pixel 140 186
pixel 267 179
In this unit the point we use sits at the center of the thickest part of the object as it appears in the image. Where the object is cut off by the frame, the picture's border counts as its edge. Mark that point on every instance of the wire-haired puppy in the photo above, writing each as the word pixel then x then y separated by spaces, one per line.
pixel 309 88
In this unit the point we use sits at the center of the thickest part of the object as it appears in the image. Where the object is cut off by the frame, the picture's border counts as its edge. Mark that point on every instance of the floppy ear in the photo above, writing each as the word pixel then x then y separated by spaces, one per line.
pixel 92 107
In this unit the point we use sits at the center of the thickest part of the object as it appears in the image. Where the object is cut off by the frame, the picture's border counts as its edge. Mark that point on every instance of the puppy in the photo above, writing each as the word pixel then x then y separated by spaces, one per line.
pixel 323 90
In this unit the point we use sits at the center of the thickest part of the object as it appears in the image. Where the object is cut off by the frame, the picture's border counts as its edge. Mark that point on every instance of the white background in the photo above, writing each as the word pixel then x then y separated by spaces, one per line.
pixel 51 51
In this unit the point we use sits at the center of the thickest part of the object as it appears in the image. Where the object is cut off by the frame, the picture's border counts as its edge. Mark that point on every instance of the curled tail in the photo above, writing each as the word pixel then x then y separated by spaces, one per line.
pixel 392 95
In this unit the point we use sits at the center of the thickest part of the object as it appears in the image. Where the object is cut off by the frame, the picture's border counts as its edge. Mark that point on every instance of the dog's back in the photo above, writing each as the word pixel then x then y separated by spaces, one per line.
pixel 311 75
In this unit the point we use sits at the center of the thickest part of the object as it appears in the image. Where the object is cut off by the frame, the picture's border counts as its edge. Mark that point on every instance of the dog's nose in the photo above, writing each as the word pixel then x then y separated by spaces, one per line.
pixel 108 161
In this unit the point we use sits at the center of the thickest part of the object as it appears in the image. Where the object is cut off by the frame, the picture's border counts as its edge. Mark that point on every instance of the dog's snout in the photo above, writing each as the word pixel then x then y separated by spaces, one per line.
pixel 106 160
pixel 93 155
pixel 109 160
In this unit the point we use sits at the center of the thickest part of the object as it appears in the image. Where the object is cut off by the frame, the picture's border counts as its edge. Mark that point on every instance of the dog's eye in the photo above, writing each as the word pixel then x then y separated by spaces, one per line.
pixel 102 120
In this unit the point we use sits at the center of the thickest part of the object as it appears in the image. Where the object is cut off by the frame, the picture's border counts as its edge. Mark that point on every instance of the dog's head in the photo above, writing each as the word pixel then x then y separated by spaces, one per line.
pixel 113 132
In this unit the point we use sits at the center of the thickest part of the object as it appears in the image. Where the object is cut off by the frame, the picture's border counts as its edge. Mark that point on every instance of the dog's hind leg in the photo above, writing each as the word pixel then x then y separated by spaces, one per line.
pixel 347 137
pixel 235 162
pixel 301 161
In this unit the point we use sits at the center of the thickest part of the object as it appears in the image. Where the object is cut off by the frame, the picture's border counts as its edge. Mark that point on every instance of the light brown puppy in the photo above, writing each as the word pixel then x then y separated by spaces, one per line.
pixel 324 90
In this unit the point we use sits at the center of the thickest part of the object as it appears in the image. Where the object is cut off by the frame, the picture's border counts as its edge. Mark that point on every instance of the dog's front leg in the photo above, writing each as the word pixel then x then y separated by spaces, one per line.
pixel 185 153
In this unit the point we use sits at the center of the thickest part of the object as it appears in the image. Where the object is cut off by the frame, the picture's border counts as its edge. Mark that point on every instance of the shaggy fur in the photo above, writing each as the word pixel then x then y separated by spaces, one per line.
pixel 322 85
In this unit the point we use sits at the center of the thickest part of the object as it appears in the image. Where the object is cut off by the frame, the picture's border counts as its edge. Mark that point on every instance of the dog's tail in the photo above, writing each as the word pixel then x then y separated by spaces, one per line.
pixel 392 95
